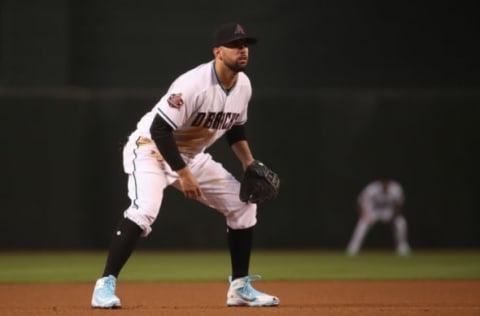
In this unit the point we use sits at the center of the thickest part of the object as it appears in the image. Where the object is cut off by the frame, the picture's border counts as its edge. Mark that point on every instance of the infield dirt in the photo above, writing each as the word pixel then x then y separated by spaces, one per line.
pixel 323 298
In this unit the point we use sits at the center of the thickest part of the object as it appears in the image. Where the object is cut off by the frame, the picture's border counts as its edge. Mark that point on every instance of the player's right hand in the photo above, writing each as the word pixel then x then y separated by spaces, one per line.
pixel 189 184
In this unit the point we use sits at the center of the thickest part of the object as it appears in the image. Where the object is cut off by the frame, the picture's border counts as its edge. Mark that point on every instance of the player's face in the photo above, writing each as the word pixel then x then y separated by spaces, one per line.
pixel 235 55
pixel 385 184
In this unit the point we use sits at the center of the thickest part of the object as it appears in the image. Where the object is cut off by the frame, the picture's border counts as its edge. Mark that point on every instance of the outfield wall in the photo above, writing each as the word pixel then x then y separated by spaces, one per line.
pixel 343 92
pixel 65 187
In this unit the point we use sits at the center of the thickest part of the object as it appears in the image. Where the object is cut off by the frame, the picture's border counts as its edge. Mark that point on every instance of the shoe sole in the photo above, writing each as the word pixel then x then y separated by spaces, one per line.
pixel 113 305
pixel 105 307
pixel 246 304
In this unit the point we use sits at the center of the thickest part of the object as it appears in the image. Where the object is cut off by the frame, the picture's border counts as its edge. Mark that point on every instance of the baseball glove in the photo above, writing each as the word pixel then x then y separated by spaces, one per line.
pixel 259 183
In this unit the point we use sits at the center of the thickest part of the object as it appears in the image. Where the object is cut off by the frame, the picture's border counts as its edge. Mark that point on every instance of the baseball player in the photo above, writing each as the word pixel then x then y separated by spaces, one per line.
pixel 168 149
pixel 380 201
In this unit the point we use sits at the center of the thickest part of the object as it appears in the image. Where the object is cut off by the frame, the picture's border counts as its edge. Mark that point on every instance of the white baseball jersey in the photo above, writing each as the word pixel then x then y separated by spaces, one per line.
pixel 199 109
pixel 380 203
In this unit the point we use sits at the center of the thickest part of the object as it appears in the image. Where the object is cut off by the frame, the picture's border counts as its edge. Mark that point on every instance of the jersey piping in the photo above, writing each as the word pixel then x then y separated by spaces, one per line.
pixel 227 91
pixel 165 117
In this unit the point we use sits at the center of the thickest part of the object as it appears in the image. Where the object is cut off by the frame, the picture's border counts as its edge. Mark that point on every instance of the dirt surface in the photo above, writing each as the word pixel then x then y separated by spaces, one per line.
pixel 297 298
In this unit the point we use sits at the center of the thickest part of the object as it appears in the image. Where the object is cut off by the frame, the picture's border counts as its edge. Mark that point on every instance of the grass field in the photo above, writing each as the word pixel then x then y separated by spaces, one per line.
pixel 75 266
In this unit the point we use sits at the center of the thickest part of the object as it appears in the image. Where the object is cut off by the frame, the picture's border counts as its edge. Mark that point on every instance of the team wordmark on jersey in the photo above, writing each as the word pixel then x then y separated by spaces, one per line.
pixel 215 120
pixel 175 100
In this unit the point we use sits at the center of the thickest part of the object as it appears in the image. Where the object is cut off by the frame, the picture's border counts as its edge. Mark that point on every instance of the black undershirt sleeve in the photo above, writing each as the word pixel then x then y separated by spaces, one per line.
pixel 236 134
pixel 162 135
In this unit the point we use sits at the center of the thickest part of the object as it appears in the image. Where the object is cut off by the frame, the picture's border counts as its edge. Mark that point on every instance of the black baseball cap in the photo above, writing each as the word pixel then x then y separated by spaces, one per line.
pixel 231 32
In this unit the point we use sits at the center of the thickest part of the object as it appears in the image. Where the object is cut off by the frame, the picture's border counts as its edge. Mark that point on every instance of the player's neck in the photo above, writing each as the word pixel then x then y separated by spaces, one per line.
pixel 225 76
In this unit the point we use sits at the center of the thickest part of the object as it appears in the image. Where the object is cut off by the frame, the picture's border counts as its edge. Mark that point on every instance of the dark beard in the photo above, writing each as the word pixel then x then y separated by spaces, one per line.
pixel 236 67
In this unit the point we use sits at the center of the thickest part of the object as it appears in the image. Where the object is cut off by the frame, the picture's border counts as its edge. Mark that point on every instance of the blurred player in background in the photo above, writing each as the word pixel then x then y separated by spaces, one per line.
pixel 380 201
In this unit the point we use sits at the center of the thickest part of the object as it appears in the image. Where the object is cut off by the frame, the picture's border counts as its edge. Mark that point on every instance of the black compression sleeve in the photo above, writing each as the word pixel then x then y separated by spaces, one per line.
pixel 163 137
pixel 235 134
pixel 240 247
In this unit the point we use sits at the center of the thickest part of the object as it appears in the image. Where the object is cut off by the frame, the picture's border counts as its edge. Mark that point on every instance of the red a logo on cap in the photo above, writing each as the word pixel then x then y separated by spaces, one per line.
pixel 239 29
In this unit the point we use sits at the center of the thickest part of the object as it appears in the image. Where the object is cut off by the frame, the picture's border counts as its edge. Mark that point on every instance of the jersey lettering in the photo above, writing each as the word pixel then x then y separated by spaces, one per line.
pixel 218 120
pixel 215 120
pixel 209 121
pixel 199 119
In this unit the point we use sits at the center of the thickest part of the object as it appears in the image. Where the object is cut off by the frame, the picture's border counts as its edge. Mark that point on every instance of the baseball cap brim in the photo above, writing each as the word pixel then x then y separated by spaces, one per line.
pixel 247 40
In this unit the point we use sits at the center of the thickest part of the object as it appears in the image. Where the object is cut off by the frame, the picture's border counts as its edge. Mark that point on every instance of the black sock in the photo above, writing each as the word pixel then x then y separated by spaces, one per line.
pixel 240 246
pixel 121 247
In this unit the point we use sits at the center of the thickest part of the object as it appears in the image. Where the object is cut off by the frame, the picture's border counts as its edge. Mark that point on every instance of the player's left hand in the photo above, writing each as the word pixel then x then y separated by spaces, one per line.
pixel 259 183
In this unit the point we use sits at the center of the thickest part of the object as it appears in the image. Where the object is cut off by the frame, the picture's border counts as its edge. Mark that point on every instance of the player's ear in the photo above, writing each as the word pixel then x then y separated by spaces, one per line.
pixel 216 51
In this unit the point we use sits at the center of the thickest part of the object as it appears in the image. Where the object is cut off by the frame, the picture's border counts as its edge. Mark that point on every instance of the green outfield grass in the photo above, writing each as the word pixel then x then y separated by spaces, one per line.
pixel 277 265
